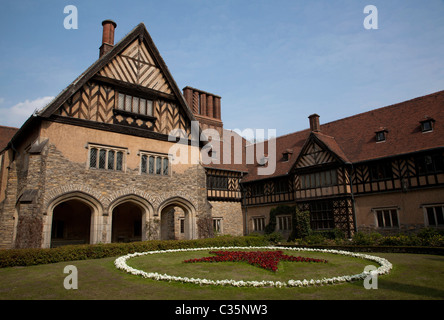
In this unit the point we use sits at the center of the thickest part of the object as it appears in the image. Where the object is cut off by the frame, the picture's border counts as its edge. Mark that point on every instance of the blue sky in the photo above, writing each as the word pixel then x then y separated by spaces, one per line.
pixel 274 62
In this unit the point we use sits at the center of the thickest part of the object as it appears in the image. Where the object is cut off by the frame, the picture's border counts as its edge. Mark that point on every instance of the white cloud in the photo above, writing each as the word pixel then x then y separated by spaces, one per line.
pixel 20 112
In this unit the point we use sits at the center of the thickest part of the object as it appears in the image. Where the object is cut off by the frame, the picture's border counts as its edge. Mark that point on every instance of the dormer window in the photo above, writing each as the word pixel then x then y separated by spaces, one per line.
pixel 427 124
pixel 286 155
pixel 381 135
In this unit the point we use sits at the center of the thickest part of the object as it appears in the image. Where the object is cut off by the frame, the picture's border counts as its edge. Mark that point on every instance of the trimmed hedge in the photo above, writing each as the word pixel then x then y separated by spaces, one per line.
pixel 28 257
pixel 427 237
pixel 384 249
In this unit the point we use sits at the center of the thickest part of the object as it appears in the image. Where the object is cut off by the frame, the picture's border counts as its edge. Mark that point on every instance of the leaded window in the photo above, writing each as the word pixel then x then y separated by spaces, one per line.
pixel 106 158
pixel 155 164
pixel 135 104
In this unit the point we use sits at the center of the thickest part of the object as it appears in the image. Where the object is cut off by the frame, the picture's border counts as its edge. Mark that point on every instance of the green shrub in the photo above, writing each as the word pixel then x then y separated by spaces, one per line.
pixel 274 238
pixel 301 226
pixel 28 257
pixel 366 239
pixel 279 210
pixel 314 239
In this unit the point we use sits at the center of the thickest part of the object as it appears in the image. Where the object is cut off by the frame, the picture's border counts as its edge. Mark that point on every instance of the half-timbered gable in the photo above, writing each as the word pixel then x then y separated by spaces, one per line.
pixel 137 66
pixel 128 86
pixel 320 169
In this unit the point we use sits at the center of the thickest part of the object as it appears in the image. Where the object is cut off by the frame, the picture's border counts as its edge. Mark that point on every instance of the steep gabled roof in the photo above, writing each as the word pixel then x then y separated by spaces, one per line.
pixel 356 134
pixel 353 140
pixel 140 32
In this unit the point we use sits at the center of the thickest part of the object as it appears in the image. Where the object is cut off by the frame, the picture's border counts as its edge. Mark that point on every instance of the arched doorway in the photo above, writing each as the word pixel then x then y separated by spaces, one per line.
pixel 127 223
pixel 71 218
pixel 177 220
pixel 131 216
pixel 71 223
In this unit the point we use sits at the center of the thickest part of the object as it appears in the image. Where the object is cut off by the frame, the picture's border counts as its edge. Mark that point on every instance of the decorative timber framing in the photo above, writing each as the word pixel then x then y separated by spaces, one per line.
pixel 276 190
pixel 133 66
pixel 223 185
pixel 402 173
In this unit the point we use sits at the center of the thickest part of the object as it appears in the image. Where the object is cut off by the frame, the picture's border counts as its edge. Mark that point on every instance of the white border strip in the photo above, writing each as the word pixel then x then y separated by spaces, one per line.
pixel 385 267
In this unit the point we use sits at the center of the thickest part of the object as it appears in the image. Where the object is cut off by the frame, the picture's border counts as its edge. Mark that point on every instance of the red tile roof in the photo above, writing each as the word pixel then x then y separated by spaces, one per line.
pixel 353 138
pixel 6 134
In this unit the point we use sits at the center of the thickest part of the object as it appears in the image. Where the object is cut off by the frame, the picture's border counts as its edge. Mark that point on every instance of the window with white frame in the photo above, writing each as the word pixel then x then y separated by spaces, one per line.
pixel 434 215
pixel 284 223
pixel 258 223
pixel 106 158
pixel 387 217
pixel 155 164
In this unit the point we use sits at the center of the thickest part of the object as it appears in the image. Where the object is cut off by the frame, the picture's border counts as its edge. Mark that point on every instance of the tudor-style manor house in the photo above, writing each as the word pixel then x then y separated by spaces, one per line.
pixel 99 163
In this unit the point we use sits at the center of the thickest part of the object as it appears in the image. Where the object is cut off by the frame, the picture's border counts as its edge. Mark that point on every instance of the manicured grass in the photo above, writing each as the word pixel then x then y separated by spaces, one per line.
pixel 412 277
pixel 172 264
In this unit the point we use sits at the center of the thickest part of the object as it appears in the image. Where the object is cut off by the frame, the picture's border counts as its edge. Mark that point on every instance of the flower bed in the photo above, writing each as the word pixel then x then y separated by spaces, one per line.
pixel 385 267
pixel 264 259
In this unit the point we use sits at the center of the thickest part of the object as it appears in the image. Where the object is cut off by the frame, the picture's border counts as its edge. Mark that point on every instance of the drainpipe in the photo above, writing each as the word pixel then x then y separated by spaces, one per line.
pixel 245 206
pixel 353 199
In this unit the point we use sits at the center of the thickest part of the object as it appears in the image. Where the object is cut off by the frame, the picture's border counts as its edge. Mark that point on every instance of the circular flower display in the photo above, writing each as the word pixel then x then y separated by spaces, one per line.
pixel 385 267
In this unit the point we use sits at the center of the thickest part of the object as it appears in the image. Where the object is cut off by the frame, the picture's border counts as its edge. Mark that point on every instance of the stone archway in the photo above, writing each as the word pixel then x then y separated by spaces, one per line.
pixel 177 220
pixel 130 219
pixel 72 218
pixel 71 223
pixel 126 223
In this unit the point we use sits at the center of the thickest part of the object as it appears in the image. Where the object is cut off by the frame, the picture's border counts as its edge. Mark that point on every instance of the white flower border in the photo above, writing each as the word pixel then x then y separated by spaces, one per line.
pixel 385 267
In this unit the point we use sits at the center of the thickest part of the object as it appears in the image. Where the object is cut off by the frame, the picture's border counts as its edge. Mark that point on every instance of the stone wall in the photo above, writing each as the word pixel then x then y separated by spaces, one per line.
pixel 231 216
pixel 32 193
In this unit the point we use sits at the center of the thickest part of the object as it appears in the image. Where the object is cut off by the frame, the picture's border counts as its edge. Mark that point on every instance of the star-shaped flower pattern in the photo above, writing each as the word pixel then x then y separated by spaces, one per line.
pixel 264 259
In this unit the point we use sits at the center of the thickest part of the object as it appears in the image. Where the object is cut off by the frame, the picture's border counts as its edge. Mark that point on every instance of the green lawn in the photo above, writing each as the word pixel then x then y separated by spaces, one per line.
pixel 413 277
pixel 172 264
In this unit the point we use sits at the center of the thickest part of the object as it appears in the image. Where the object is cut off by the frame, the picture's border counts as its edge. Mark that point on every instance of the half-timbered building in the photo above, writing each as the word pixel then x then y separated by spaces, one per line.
pixel 117 157
pixel 381 170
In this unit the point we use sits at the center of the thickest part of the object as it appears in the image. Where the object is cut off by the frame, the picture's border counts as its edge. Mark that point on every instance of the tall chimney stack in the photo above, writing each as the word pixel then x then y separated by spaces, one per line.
pixel 314 123
pixel 108 36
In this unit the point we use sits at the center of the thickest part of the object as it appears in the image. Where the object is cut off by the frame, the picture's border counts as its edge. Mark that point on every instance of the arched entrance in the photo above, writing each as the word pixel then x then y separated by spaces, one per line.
pixel 71 223
pixel 130 219
pixel 177 220
pixel 127 223
pixel 72 218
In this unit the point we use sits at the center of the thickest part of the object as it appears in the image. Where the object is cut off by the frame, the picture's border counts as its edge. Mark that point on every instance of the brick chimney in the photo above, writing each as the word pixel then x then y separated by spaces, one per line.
pixel 314 123
pixel 206 108
pixel 108 36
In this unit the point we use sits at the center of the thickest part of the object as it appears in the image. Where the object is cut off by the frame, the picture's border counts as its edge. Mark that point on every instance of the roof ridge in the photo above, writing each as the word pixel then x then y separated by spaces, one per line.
pixel 8 127
pixel 394 105
pixel 360 114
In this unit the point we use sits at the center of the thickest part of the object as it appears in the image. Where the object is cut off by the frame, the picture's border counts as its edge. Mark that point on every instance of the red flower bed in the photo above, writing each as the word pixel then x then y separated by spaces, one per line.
pixel 264 259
